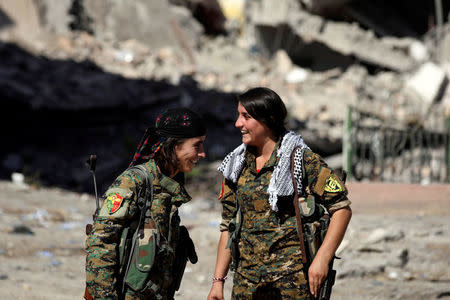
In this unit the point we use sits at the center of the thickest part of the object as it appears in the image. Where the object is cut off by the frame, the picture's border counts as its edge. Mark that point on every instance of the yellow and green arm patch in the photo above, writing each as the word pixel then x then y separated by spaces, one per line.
pixel 333 184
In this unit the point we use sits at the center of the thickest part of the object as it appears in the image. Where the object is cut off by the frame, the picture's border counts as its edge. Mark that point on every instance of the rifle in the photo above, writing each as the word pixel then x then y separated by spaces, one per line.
pixel 185 251
pixel 325 288
pixel 313 233
pixel 91 164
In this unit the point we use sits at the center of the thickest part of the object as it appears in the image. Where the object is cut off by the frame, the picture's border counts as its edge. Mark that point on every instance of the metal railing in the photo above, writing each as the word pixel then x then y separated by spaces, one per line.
pixel 376 151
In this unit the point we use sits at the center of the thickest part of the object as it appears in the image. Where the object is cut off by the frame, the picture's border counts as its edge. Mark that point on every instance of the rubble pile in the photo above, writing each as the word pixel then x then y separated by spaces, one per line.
pixel 103 84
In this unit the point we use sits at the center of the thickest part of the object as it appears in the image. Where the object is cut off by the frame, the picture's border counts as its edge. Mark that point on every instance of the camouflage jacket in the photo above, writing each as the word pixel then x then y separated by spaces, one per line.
pixel 120 210
pixel 269 246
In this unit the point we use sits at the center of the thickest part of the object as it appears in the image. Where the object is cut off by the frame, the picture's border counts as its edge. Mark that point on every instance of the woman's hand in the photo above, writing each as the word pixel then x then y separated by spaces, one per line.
pixel 220 273
pixel 216 292
pixel 316 274
pixel 319 267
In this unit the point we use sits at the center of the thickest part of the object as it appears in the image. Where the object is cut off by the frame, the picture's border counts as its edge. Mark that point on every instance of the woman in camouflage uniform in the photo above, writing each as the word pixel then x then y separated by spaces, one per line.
pixel 167 151
pixel 256 178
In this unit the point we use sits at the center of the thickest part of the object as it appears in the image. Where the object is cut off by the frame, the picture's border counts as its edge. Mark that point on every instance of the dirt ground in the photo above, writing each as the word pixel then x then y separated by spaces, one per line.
pixel 42 241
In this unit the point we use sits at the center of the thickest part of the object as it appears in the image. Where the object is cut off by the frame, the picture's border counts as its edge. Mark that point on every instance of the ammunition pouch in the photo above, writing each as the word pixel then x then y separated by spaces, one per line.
pixel 234 230
pixel 143 247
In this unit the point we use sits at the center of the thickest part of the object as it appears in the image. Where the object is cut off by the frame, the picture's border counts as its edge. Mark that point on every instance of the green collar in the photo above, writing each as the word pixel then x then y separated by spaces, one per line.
pixel 250 157
pixel 175 189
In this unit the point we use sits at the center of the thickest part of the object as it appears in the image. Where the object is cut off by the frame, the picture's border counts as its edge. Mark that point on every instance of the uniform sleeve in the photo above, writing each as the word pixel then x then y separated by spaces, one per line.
pixel 324 183
pixel 102 244
pixel 228 200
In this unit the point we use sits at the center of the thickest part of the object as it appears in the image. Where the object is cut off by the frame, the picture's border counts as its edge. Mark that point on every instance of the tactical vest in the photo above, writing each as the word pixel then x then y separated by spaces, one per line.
pixel 141 244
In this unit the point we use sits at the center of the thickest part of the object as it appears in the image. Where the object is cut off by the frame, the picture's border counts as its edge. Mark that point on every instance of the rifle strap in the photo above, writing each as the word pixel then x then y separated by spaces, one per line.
pixel 145 209
pixel 148 178
pixel 298 215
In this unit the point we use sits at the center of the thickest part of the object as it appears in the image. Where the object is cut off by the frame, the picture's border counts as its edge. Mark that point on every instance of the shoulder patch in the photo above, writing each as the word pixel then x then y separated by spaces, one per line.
pixel 332 184
pixel 113 202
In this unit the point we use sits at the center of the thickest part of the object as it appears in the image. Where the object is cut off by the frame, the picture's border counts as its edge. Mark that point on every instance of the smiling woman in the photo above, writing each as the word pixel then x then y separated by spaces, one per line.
pixel 189 153
pixel 135 205
pixel 259 237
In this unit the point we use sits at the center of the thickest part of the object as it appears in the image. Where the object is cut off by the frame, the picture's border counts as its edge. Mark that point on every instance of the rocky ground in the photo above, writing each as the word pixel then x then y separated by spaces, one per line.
pixel 396 247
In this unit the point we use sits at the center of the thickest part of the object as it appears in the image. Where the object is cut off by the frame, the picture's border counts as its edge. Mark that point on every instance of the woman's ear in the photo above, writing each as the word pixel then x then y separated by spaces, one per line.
pixel 176 148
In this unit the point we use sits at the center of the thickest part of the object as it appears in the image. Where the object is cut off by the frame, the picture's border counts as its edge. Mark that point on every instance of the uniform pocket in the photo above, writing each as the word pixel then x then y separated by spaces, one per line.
pixel 143 252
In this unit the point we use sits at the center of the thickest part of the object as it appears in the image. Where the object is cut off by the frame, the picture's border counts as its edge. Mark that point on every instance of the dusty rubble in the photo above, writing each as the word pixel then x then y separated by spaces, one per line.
pixel 158 58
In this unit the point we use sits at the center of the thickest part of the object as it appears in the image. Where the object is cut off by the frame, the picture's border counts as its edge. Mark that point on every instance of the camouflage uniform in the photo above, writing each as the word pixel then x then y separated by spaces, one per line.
pixel 269 247
pixel 119 210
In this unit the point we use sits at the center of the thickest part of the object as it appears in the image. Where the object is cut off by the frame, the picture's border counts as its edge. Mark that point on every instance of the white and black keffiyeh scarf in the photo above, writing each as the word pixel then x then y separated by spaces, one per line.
pixel 281 182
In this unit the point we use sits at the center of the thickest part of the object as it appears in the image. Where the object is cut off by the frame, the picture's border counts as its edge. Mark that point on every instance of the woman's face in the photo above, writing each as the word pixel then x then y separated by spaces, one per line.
pixel 254 133
pixel 189 153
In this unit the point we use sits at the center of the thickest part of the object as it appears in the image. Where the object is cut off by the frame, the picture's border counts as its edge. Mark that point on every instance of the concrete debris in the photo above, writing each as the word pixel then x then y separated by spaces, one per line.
pixel 210 13
pixel 381 234
pixel 297 75
pixel 418 51
pixel 445 45
pixel 270 19
pixel 281 62
pixel 398 274
pixel 18 179
pixel 428 82
pixel 144 56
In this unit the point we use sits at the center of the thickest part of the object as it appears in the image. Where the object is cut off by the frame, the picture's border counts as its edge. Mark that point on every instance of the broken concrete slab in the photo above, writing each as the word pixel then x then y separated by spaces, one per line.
pixel 23 18
pixel 347 39
pixel 114 21
pixel 445 44
pixel 147 21
pixel 428 82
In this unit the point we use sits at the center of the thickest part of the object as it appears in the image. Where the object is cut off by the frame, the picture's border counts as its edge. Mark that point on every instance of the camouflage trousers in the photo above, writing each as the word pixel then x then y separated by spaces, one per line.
pixel 158 289
pixel 131 295
pixel 289 287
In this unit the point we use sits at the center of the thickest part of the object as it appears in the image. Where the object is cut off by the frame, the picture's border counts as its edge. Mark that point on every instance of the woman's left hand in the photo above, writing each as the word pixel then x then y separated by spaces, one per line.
pixel 316 274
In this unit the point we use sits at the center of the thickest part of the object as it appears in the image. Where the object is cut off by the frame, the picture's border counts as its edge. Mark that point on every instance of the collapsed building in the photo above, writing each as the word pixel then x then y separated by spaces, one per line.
pixel 97 71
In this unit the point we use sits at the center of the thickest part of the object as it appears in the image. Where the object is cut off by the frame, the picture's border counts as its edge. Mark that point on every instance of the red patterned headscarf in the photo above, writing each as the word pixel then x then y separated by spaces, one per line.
pixel 174 122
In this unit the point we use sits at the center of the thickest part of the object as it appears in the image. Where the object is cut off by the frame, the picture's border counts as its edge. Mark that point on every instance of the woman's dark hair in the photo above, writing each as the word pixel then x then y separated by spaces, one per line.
pixel 166 158
pixel 266 106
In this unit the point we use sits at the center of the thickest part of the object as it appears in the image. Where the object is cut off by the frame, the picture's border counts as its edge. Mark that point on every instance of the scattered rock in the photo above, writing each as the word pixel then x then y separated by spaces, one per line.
pixel 21 229
pixel 398 274
pixel 384 235
pixel 398 258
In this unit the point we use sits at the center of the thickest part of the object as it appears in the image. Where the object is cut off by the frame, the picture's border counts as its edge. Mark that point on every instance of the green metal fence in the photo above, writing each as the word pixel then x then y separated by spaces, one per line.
pixel 379 152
